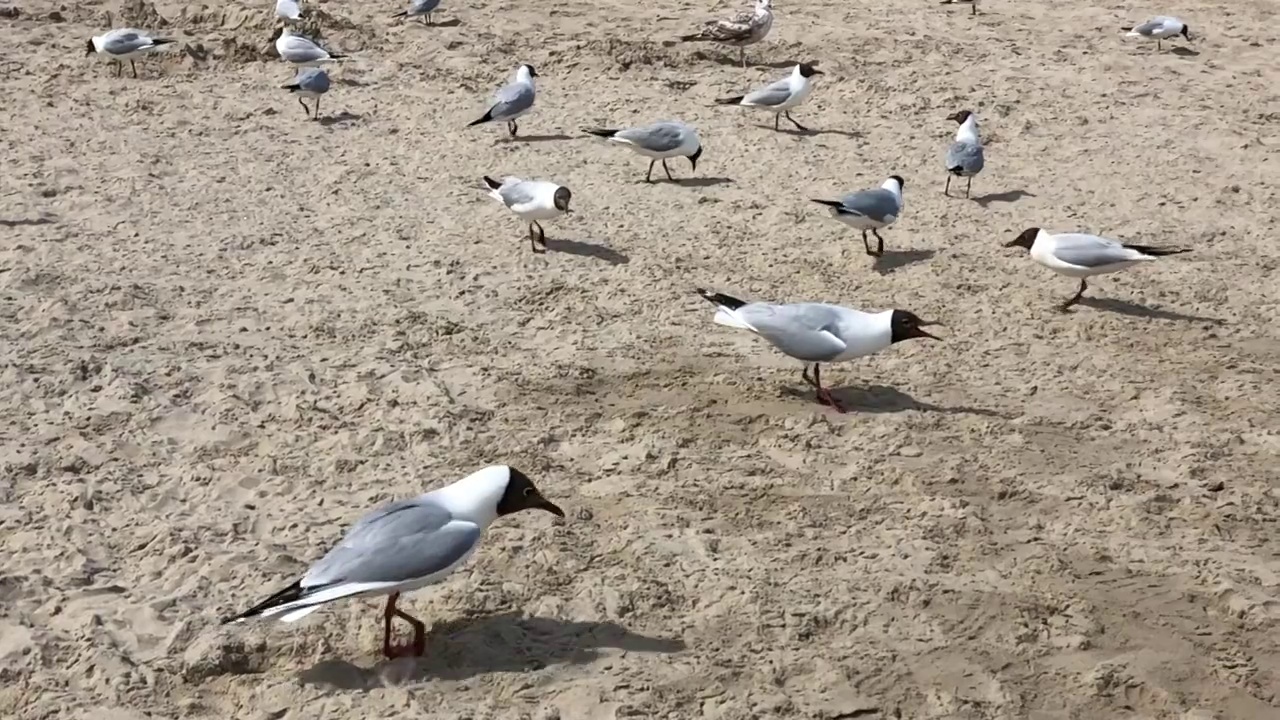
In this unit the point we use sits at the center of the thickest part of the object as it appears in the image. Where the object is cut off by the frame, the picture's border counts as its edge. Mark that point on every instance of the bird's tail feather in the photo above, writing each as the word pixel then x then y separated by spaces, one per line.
pixel 287 595
pixel 726 309
pixel 829 203
pixel 291 86
pixel 337 56
pixel 1157 251
pixel 488 115
pixel 162 41
pixel 692 38
pixel 1127 29
pixel 493 184
pixel 735 100
pixel 401 14
pixel 600 132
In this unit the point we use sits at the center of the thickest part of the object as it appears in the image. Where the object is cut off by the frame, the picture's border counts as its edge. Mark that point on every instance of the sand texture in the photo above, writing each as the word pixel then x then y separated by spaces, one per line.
pixel 227 332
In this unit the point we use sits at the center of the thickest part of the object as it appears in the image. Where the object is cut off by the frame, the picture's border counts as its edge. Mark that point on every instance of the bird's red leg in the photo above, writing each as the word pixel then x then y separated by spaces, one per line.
pixel 414 648
pixel 824 395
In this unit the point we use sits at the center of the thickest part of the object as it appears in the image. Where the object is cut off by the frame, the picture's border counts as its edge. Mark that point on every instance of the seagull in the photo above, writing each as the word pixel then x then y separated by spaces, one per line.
pixel 1159 28
pixel 419 8
pixel 964 157
pixel 747 27
pixel 512 100
pixel 659 141
pixel 780 96
pixel 531 201
pixel 818 332
pixel 301 50
pixel 870 210
pixel 1082 256
pixel 311 83
pixel 288 10
pixel 973 4
pixel 404 546
pixel 124 44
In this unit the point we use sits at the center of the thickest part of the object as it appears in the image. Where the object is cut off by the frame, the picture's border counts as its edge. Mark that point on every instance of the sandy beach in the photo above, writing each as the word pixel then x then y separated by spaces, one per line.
pixel 227 332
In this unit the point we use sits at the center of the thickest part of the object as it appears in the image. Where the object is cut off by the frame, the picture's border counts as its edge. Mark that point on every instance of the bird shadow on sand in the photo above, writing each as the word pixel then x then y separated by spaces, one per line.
pixel 698 182
pixel 339 118
pixel 1132 309
pixel 892 260
pixel 885 399
pixel 503 643
pixel 452 22
pixel 732 59
pixel 811 132
pixel 540 138
pixel 1185 52
pixel 586 249
pixel 27 221
pixel 1007 196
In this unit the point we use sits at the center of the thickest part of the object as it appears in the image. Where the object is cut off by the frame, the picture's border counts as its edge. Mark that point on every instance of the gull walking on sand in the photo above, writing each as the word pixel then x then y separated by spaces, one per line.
pixel 301 50
pixel 404 546
pixel 1158 28
pixel 747 27
pixel 870 210
pixel 1077 255
pixel 310 83
pixel 964 157
pixel 419 8
pixel 818 332
pixel 288 10
pixel 124 44
pixel 512 100
pixel 531 201
pixel 658 142
pixel 780 96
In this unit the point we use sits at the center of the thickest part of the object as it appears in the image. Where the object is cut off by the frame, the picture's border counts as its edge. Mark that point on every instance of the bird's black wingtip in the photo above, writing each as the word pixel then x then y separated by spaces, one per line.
pixel 291 87
pixel 828 203
pixel 488 115
pixel 600 132
pixel 730 100
pixel 493 184
pixel 720 299
pixel 404 13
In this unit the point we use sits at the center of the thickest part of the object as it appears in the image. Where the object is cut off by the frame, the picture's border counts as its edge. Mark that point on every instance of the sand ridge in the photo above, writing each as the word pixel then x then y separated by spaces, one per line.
pixel 228 332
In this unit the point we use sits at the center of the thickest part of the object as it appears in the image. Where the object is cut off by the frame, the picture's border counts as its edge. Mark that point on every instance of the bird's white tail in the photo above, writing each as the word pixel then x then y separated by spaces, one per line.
pixel 731 318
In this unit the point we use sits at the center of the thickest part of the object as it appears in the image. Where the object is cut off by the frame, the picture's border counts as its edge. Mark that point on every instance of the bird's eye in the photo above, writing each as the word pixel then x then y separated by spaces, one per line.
pixel 528 491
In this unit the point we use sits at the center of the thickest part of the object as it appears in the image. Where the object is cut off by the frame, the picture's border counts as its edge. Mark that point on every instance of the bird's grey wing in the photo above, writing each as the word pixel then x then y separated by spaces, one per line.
pixel 401 541
pixel 423 7
pixel 125 42
pixel 733 29
pixel 512 99
pixel 805 331
pixel 966 156
pixel 659 137
pixel 517 193
pixel 1089 250
pixel 774 94
pixel 300 49
pixel 876 204
pixel 1149 26
pixel 313 80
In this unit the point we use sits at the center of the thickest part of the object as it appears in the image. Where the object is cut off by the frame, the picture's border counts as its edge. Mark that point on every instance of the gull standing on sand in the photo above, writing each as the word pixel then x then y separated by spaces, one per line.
pixel 659 141
pixel 124 44
pixel 531 201
pixel 300 49
pixel 780 96
pixel 310 83
pixel 512 100
pixel 818 332
pixel 1160 27
pixel 964 157
pixel 419 8
pixel 747 27
pixel 404 546
pixel 870 210
pixel 288 10
pixel 1082 256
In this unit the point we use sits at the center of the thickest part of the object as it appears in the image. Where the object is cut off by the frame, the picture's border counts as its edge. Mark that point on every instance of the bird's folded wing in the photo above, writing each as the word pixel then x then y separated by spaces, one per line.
pixel 803 331
pixel 967 156
pixel 659 137
pixel 400 542
pixel 771 95
pixel 521 192
pixel 875 204
pixel 1090 250
pixel 125 42
pixel 512 99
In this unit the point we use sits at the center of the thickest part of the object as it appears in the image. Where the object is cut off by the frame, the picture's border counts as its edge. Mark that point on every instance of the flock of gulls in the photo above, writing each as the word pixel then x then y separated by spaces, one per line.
pixel 417 542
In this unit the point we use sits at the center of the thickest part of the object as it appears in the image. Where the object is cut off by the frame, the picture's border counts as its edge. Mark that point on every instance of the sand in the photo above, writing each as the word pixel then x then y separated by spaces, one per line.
pixel 228 332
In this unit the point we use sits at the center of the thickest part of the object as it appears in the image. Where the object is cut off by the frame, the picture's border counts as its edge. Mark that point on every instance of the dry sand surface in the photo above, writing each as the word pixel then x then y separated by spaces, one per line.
pixel 229 332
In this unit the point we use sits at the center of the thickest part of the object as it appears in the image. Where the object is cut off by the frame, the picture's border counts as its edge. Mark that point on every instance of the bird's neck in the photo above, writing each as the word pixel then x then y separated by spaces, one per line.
pixel 968 131
pixel 892 186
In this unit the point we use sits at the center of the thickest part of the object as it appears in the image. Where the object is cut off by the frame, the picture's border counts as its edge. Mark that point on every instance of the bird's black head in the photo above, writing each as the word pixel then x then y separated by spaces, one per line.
pixel 521 494
pixel 532 72
pixel 807 70
pixel 902 184
pixel 1186 32
pixel 960 117
pixel 561 199
pixel 693 159
pixel 1025 240
pixel 89 49
pixel 905 326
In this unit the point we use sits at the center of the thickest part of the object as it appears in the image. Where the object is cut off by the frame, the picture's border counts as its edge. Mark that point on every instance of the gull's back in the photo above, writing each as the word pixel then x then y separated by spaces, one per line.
pixel 813 332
